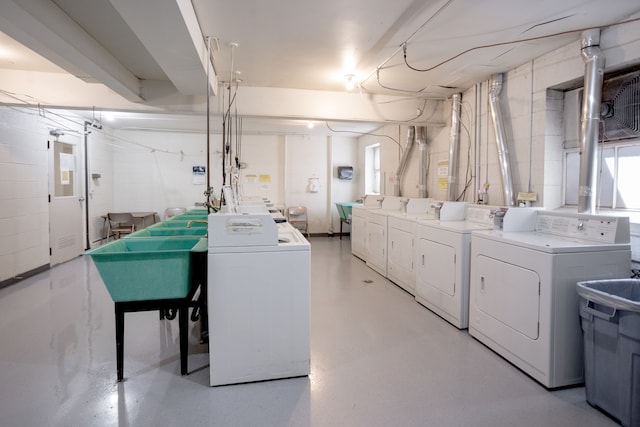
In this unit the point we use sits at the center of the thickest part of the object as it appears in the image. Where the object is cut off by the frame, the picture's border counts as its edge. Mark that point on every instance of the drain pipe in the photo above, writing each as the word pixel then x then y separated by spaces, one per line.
pixel 411 137
pixel 421 139
pixel 454 142
pixel 495 88
pixel 590 121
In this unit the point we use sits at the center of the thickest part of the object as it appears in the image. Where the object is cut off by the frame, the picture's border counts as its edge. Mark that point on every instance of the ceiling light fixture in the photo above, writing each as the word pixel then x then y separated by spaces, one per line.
pixel 310 124
pixel 350 83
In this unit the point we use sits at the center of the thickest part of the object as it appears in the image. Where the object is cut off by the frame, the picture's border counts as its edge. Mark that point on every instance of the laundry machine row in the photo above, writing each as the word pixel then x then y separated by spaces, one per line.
pixel 387 239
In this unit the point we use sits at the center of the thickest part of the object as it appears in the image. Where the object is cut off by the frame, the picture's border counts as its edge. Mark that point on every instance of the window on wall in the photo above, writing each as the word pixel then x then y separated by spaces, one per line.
pixel 618 176
pixel 618 149
pixel 372 166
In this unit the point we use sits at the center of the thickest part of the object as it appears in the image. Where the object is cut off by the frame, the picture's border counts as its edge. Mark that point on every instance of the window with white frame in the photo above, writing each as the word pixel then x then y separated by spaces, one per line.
pixel 618 176
pixel 618 148
pixel 372 172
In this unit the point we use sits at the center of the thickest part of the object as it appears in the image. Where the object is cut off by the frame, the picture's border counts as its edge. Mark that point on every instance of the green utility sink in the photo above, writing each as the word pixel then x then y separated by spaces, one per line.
pixel 189 215
pixel 179 224
pixel 150 269
pixel 168 232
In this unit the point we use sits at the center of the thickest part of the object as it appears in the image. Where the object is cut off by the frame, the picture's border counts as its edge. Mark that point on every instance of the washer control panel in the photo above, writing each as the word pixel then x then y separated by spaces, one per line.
pixel 599 228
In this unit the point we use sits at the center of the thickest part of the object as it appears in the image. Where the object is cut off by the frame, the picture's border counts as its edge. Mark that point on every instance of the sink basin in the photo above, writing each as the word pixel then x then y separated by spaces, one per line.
pixel 178 224
pixel 188 215
pixel 168 232
pixel 150 269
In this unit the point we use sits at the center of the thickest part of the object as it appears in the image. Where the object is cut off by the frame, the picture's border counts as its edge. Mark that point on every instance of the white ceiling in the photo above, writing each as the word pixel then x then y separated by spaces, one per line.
pixel 151 53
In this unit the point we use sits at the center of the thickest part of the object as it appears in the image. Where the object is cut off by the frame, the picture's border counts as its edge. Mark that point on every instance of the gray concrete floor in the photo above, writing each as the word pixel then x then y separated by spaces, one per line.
pixel 377 359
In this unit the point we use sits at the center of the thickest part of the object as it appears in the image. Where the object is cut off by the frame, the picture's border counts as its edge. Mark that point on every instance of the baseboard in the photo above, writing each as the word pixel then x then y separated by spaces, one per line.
pixel 19 277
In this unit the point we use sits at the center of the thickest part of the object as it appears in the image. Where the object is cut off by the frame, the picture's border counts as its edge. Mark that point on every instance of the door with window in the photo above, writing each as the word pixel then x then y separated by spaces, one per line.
pixel 66 201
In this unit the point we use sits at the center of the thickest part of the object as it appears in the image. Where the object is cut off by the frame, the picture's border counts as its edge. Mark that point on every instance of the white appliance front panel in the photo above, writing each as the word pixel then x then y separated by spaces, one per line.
pixel 377 242
pixel 401 253
pixel 359 232
pixel 443 264
pixel 438 262
pixel 259 316
pixel 510 294
pixel 555 357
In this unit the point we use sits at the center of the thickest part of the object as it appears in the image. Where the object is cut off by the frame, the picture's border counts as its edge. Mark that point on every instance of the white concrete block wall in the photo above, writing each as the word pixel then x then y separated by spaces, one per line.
pixel 101 190
pixel 153 170
pixel 264 156
pixel 344 152
pixel 306 157
pixel 24 210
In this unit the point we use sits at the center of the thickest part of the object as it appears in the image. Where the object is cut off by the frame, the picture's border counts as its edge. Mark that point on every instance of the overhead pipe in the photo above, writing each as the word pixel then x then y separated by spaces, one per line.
pixel 477 136
pixel 454 143
pixel 411 137
pixel 495 88
pixel 590 120
pixel 421 139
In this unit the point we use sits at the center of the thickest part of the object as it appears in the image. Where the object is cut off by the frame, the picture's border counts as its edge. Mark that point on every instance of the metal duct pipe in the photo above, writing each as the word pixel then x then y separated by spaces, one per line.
pixel 454 143
pixel 411 137
pixel 495 87
pixel 421 139
pixel 590 120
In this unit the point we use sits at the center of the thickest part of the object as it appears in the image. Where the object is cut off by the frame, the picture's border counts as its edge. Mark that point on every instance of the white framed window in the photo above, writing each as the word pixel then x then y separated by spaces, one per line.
pixel 618 176
pixel 372 169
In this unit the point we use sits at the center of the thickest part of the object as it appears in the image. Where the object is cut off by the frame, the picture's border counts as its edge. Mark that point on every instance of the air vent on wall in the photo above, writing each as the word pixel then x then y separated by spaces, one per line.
pixel 620 108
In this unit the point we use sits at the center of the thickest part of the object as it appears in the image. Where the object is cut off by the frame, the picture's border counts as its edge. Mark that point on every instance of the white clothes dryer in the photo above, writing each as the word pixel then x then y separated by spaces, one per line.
pixel 359 225
pixel 376 225
pixel 443 263
pixel 523 299
pixel 401 242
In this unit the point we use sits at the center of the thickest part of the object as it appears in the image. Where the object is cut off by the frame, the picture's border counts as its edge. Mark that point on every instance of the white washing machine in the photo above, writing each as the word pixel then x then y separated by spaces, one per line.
pixel 258 299
pixel 443 262
pixel 523 300
pixel 359 227
pixel 376 225
pixel 401 241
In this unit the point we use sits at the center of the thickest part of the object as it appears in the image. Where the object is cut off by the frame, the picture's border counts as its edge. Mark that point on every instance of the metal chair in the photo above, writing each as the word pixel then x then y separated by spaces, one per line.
pixel 119 224
pixel 297 217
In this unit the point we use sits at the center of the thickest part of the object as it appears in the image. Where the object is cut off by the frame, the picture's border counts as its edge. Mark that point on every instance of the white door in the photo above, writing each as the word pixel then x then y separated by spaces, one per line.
pixel 67 203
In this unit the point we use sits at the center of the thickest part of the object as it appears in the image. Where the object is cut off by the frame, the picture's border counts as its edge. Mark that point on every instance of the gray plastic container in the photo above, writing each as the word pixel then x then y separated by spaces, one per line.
pixel 610 318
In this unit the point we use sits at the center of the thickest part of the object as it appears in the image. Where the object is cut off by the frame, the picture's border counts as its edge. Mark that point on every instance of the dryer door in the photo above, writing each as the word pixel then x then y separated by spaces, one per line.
pixel 510 294
pixel 439 271
pixel 400 251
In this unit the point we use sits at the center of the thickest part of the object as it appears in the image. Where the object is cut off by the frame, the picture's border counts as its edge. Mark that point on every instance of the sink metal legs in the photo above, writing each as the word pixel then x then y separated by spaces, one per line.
pixel 181 304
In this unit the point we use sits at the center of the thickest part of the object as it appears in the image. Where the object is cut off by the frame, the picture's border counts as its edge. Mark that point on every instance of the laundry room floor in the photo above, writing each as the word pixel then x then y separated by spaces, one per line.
pixel 377 359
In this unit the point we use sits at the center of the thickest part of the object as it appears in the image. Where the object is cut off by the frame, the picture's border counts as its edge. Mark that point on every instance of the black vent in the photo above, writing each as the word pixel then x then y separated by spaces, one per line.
pixel 621 108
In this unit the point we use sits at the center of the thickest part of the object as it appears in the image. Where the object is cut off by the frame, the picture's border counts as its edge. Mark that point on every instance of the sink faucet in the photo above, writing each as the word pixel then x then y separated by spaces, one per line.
pixel 201 221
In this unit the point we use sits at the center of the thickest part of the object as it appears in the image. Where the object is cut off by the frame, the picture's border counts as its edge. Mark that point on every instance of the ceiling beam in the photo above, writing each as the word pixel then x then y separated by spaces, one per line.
pixel 170 31
pixel 47 30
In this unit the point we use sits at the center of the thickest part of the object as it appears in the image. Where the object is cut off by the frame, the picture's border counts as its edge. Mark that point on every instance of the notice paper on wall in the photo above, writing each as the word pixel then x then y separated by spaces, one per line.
pixel 443 174
pixel 199 175
pixel 67 167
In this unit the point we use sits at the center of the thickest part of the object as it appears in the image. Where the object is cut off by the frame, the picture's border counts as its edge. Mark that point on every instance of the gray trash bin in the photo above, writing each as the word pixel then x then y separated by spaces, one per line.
pixel 610 318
